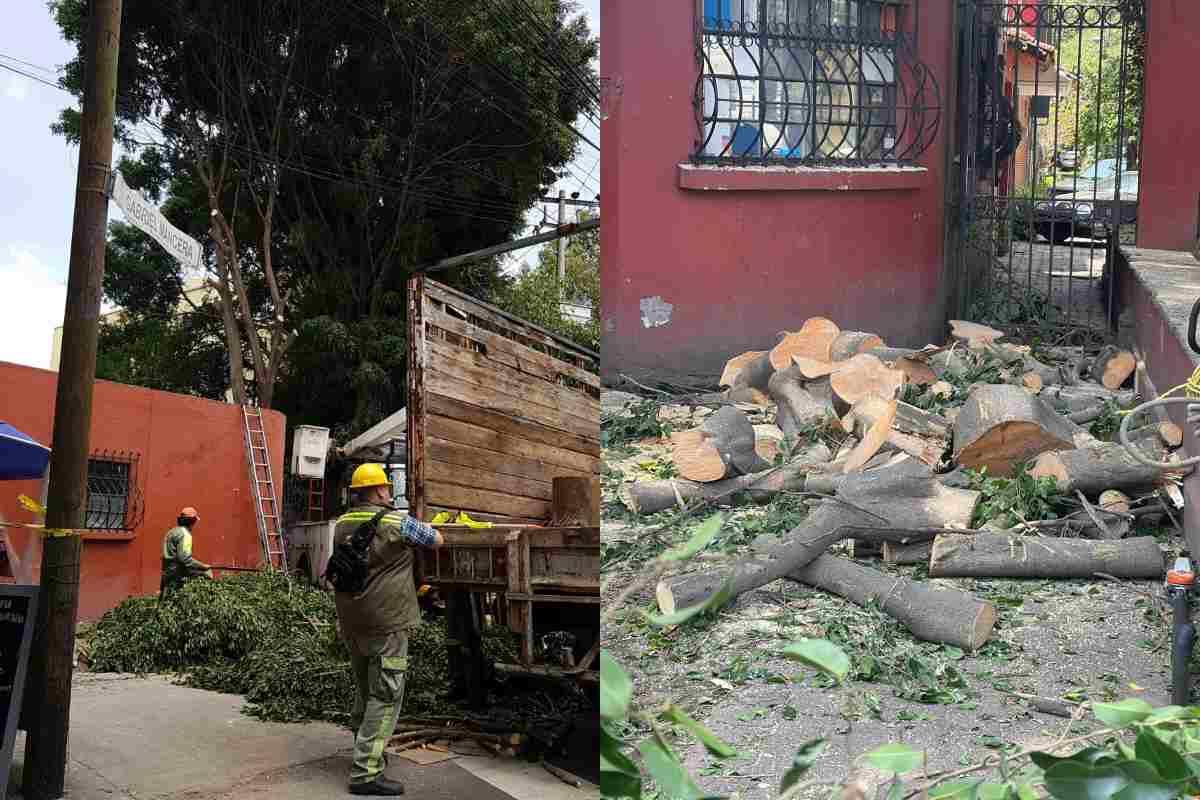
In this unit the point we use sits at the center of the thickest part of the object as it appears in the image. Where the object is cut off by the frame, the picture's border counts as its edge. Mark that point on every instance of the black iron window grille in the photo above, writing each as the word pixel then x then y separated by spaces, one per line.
pixel 813 82
pixel 114 501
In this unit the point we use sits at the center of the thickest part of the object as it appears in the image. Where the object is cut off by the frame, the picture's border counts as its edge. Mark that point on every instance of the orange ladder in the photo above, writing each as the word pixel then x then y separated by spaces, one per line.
pixel 262 485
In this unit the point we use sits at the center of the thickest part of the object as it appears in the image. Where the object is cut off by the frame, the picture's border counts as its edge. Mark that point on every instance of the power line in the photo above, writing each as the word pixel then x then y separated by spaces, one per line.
pixel 47 70
pixel 34 78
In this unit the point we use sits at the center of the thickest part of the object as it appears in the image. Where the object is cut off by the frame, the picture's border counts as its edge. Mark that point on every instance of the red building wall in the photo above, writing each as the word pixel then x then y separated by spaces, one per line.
pixel 739 265
pixel 191 453
pixel 1169 184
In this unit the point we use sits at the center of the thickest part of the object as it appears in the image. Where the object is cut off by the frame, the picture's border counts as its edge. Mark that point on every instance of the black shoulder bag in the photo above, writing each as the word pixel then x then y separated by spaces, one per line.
pixel 347 568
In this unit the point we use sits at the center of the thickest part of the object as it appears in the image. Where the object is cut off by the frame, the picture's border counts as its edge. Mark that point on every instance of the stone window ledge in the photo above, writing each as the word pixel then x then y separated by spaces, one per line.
pixel 711 177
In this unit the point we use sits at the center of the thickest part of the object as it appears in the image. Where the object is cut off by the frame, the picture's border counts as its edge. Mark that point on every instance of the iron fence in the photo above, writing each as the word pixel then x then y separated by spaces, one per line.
pixel 115 502
pixel 1047 159
pixel 813 82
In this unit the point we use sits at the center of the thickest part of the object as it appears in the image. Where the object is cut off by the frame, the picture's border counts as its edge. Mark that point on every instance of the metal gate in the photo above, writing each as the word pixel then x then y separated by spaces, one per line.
pixel 1045 173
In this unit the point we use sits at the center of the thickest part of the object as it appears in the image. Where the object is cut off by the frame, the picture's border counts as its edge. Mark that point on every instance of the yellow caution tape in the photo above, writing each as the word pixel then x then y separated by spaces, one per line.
pixel 1190 387
pixel 34 507
pixel 463 519
pixel 31 505
pixel 446 518
pixel 441 518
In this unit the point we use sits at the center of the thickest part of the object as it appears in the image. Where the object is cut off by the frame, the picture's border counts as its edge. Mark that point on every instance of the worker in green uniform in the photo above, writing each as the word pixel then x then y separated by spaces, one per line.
pixel 375 623
pixel 178 564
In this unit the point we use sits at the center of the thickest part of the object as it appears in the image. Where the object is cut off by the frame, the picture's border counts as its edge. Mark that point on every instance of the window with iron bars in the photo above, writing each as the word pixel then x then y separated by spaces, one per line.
pixel 113 501
pixel 813 82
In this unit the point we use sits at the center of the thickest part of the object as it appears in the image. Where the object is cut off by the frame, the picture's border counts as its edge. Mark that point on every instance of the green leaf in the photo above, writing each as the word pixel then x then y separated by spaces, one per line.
pixel 705 533
pixel 616 690
pixel 1070 780
pixel 619 776
pixel 1088 755
pixel 1160 755
pixel 1145 783
pixel 715 601
pixel 953 790
pixel 711 743
pixel 820 654
pixel 1172 713
pixel 805 757
pixel 672 779
pixel 1025 791
pixel 895 790
pixel 898 758
pixel 993 791
pixel 1122 714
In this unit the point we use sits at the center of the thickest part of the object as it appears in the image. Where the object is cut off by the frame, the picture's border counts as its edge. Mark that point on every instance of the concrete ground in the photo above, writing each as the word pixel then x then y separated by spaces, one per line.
pixel 148 739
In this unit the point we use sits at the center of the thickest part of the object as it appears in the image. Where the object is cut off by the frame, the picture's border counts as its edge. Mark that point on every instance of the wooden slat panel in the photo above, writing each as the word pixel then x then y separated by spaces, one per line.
pixel 464 303
pixel 465 411
pixel 490 373
pixel 458 497
pixel 474 477
pixel 483 516
pixel 474 458
pixel 481 438
pixel 512 353
pixel 442 379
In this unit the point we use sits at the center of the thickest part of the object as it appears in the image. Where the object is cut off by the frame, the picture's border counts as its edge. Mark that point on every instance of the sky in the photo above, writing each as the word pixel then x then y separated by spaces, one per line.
pixel 37 183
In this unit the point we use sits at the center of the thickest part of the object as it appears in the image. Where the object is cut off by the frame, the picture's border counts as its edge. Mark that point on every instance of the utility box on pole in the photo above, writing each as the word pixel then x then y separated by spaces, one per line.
pixel 310 445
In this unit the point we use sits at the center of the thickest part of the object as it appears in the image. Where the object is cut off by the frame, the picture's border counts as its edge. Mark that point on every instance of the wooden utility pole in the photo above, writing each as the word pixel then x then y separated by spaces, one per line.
pixel 49 698
pixel 562 247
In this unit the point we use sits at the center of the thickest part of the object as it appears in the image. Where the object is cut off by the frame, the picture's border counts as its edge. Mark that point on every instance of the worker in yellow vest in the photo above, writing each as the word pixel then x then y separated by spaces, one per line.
pixel 178 563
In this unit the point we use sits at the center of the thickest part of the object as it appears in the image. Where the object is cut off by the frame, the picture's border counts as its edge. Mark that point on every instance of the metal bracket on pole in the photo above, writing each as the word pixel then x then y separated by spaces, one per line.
pixel 110 183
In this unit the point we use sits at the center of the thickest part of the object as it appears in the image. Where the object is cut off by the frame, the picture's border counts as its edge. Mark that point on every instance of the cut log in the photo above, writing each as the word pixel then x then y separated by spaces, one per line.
pixel 1002 426
pixel 768 442
pixel 1108 526
pixel 909 418
pixel 915 553
pixel 931 613
pixel 814 340
pixel 798 409
pixel 650 497
pixel 976 336
pixel 735 365
pixel 851 343
pixel 822 390
pixel 902 496
pixel 1170 433
pixel 1114 501
pixel 756 374
pixel 864 375
pixel 1112 367
pixel 810 368
pixel 696 457
pixel 575 502
pixel 1084 396
pixel 1104 466
pixel 748 395
pixel 917 372
pixel 890 354
pixel 1034 371
pixel 723 446
pixel 1003 555
pixel 872 439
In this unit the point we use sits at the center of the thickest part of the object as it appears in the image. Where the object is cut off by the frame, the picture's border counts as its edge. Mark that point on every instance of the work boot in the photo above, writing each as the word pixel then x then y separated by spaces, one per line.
pixel 380 787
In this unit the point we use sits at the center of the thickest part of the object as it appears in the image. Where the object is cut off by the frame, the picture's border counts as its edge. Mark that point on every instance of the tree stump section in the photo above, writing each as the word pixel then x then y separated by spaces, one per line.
pixel 1001 426
pixel 755 374
pixel 851 343
pixel 723 446
pixel 1112 367
pixel 1103 466
pixel 974 335
pixel 736 365
pixel 814 340
pixel 864 375
pixel 798 409
pixel 914 553
pixel 1003 555
pixel 903 496
pixel 932 614
pixel 575 502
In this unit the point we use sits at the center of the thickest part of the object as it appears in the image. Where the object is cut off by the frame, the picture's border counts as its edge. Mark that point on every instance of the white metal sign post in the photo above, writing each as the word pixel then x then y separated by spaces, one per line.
pixel 146 217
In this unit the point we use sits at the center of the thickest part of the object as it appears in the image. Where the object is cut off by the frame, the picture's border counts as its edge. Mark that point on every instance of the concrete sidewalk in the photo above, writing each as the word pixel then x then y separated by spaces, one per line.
pixel 148 739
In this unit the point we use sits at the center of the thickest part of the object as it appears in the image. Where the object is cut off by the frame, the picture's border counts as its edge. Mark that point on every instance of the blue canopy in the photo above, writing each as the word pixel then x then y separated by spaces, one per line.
pixel 21 457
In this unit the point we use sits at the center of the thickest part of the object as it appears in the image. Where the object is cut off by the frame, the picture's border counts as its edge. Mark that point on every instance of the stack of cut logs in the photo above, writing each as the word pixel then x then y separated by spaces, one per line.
pixel 897 481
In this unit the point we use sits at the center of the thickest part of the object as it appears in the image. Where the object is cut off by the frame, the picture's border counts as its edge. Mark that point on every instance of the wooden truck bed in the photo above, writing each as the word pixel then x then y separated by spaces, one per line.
pixel 497 409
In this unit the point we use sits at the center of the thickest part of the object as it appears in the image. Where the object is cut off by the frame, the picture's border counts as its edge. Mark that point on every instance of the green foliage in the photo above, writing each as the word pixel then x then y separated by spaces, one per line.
pixel 639 421
pixel 1105 426
pixel 535 293
pixel 272 640
pixel 1010 501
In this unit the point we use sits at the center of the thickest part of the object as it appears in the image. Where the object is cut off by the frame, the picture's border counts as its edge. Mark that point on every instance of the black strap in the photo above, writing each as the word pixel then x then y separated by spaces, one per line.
pixel 363 534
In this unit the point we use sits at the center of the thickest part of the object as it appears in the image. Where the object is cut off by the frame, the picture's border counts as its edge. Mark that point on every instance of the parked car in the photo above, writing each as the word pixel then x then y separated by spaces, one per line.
pixel 1088 214
pixel 1084 181
pixel 1067 160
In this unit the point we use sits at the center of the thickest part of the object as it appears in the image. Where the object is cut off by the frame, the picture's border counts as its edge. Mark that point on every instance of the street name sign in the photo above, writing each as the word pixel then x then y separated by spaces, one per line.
pixel 146 217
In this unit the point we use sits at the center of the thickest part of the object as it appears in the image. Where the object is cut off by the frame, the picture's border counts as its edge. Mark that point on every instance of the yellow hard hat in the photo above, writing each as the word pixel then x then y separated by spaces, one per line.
pixel 369 475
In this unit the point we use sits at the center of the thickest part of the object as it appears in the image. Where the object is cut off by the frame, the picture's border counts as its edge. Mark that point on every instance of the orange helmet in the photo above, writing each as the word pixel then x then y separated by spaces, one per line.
pixel 189 513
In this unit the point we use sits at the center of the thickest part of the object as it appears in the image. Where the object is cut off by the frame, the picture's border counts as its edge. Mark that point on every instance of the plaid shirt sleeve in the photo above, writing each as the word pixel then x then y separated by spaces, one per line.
pixel 415 531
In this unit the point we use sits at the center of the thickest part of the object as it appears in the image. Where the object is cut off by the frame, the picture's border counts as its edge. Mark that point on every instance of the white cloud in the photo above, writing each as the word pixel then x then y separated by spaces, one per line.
pixel 33 307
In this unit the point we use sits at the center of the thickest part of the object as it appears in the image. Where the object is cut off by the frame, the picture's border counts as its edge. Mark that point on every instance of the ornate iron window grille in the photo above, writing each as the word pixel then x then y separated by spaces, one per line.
pixel 813 82
pixel 114 500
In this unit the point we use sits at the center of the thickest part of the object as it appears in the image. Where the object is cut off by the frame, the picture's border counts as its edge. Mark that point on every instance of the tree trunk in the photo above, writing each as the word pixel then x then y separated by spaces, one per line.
pixel 1084 396
pixel 914 553
pixel 932 614
pixel 1003 555
pixel 1103 466
pixel 902 496
pixel 650 497
pixel 722 447
pixel 1112 367
pixel 1001 426
pixel 575 502
pixel 797 408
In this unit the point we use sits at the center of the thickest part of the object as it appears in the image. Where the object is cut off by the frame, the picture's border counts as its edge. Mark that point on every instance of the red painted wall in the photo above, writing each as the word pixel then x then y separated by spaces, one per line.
pixel 1169 184
pixel 191 453
pixel 739 266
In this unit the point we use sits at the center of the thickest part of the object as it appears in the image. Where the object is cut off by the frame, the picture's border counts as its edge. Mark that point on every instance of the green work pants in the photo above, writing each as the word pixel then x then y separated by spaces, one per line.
pixel 380 664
